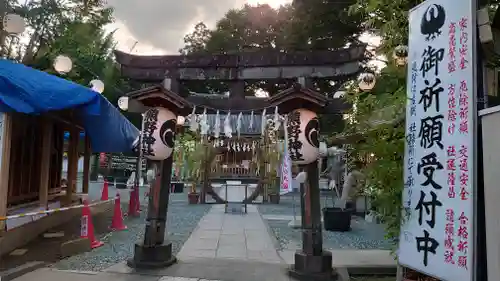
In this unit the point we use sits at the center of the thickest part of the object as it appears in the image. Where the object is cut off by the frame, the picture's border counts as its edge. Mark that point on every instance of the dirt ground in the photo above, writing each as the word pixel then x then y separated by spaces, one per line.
pixel 48 249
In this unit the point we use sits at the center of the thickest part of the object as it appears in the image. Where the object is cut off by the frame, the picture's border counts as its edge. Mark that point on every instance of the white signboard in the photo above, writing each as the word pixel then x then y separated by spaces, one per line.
pixel 437 238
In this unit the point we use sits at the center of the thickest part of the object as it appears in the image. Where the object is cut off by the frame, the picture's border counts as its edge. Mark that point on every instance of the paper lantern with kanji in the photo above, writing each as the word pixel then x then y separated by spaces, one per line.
pixel 303 131
pixel 158 133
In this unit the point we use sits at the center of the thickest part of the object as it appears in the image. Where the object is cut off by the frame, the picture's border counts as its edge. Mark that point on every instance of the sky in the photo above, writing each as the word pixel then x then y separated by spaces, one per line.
pixel 159 26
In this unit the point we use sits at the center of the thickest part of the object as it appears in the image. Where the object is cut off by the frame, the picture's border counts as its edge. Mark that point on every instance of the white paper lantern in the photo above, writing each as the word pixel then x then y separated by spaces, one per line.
pixel 63 64
pixel 97 86
pixel 303 132
pixel 181 120
pixel 367 81
pixel 123 103
pixel 401 55
pixel 14 24
pixel 158 134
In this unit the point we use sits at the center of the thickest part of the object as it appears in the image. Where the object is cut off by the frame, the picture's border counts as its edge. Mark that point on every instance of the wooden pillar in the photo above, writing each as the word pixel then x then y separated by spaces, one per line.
pixel 5 145
pixel 86 166
pixel 47 127
pixel 72 164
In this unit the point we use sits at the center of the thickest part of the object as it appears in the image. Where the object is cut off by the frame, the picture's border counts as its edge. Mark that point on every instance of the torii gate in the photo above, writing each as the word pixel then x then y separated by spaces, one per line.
pixel 312 262
pixel 236 69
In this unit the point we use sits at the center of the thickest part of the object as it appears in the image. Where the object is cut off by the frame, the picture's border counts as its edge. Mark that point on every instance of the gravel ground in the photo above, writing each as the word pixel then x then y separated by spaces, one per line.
pixel 182 219
pixel 363 235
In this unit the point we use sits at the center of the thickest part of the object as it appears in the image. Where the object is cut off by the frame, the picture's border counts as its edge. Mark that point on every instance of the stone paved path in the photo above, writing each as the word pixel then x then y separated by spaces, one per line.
pixel 231 236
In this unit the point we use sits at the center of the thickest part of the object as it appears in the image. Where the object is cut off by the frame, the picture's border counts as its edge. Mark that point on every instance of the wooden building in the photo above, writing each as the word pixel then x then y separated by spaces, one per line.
pixel 237 157
pixel 33 123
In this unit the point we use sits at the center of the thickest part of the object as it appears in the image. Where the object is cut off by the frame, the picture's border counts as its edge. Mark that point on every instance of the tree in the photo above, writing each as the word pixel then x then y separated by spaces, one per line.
pixel 389 20
pixel 317 25
pixel 379 117
pixel 324 25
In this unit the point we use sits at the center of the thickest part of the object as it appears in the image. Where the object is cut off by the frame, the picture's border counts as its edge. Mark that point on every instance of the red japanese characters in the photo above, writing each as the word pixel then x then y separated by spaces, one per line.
pixel 452 47
pixel 464 38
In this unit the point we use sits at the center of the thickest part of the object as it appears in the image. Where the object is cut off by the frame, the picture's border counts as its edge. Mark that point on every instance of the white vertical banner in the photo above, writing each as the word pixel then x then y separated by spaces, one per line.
pixel 437 236
pixel 286 174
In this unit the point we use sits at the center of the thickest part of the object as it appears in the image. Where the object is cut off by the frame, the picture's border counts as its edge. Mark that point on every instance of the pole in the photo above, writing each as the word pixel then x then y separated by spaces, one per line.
pixel 153 252
pixel 312 263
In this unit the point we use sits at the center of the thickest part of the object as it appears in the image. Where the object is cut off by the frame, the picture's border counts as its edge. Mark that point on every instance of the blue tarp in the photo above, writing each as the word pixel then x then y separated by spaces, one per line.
pixel 27 90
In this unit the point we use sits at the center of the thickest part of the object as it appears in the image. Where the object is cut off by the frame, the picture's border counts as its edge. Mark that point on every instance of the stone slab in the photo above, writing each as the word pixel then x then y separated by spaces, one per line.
pixel 47 274
pixel 212 269
pixel 357 262
pixel 235 235
pixel 14 273
pixel 295 224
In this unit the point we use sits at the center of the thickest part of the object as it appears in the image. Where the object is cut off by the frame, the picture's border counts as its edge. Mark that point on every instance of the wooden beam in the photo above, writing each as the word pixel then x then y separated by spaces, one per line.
pixel 47 132
pixel 334 106
pixel 74 135
pixel 261 58
pixel 5 149
pixel 247 73
pixel 86 165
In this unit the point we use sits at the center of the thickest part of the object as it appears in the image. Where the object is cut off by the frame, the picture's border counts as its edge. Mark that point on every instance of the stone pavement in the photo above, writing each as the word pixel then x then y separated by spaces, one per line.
pixel 222 247
pixel 231 236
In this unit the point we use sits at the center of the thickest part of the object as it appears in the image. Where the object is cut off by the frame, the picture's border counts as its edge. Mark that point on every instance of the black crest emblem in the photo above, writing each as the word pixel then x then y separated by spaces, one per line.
pixel 432 21
pixel 311 132
pixel 167 133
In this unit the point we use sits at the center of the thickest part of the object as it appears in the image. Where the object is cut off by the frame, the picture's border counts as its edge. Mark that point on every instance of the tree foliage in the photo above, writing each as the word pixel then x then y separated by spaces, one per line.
pixel 324 25
pixel 389 20
pixel 379 116
pixel 75 28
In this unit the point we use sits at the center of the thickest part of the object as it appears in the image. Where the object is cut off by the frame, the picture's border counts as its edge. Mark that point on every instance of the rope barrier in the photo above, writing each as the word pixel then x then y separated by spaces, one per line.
pixel 44 212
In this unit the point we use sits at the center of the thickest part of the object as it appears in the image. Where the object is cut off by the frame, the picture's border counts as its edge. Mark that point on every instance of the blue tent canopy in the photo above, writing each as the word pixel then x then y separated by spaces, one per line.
pixel 27 90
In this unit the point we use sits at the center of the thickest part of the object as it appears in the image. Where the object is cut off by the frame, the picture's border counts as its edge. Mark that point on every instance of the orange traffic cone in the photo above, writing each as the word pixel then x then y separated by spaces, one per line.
pixel 117 222
pixel 87 227
pixel 133 209
pixel 105 191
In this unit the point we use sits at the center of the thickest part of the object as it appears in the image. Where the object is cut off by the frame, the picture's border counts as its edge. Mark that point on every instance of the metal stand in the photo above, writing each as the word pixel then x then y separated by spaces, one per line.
pixel 312 263
pixel 153 252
